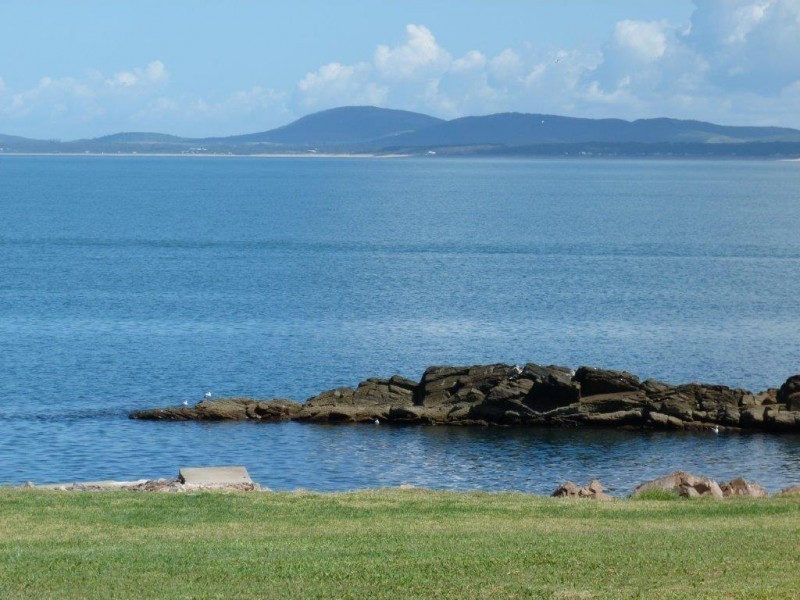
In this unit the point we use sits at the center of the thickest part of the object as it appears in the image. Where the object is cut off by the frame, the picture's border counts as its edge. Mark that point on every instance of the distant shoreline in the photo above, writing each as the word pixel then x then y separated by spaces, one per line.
pixel 216 155
pixel 371 155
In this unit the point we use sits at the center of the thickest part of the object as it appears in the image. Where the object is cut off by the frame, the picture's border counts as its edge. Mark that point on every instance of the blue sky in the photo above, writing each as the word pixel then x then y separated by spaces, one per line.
pixel 84 68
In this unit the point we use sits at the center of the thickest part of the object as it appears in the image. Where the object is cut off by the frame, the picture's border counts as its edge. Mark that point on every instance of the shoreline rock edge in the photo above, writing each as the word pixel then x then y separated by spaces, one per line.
pixel 517 396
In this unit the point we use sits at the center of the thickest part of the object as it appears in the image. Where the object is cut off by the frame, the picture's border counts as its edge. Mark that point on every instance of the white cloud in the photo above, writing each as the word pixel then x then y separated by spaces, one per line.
pixel 470 61
pixel 646 41
pixel 506 66
pixel 745 19
pixel 750 46
pixel 154 73
pixel 335 84
pixel 420 55
pixel 734 55
pixel 56 96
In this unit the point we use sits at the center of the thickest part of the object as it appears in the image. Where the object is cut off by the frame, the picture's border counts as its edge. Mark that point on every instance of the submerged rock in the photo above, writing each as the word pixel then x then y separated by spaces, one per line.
pixel 510 395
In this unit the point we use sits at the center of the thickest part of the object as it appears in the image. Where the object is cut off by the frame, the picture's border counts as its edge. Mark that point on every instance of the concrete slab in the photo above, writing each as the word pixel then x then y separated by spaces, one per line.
pixel 214 476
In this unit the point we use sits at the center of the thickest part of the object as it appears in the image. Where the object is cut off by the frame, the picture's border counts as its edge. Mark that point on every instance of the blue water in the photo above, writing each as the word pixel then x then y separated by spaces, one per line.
pixel 132 282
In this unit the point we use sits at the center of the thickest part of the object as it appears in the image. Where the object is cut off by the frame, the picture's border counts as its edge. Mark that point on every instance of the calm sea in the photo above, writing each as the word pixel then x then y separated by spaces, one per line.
pixel 132 282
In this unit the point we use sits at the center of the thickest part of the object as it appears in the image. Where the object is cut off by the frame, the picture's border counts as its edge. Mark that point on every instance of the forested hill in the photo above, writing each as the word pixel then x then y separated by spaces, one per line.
pixel 368 129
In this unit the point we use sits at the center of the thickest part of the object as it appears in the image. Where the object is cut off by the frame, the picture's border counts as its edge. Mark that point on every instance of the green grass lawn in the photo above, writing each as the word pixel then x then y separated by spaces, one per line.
pixel 393 544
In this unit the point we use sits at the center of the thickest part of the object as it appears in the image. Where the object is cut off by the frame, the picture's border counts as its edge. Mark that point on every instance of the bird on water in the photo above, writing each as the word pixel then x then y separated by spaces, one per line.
pixel 207 395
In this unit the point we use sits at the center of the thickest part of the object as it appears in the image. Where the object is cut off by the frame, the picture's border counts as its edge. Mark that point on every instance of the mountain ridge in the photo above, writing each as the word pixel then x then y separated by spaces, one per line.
pixel 369 129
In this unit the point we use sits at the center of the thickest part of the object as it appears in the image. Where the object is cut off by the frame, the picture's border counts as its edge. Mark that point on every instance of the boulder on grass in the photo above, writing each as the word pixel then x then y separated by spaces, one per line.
pixel 790 491
pixel 742 487
pixel 593 491
pixel 684 484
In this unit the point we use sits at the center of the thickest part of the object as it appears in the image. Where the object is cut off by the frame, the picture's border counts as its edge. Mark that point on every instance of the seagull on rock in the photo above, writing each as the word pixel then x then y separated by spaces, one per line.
pixel 207 395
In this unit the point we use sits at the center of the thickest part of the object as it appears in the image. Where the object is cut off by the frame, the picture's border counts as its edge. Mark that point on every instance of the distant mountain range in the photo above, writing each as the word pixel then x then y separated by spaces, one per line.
pixel 367 129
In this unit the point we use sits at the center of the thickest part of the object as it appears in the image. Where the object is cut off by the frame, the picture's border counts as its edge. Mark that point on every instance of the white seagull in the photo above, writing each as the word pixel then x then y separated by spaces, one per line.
pixel 207 395
pixel 185 403
pixel 377 422
pixel 715 429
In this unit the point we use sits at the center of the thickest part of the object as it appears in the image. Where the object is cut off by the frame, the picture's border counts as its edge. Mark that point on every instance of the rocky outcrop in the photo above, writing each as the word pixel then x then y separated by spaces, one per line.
pixel 529 395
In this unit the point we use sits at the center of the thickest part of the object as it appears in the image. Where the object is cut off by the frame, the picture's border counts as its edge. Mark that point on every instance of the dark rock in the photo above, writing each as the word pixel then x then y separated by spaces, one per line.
pixel 789 393
pixel 607 403
pixel 600 381
pixel 396 391
pixel 276 410
pixel 498 394
pixel 552 388
pixel 729 416
pixel 506 395
pixel 781 420
pixel 752 417
pixel 451 385
pixel 372 399
pixel 749 400
pixel 509 389
pixel 712 399
pixel 343 396
pixel 655 388
pixel 679 405
pixel 767 397
pixel 407 414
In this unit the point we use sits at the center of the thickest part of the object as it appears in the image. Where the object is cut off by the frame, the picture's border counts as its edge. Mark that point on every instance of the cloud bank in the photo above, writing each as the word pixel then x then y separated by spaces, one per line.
pixel 735 61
